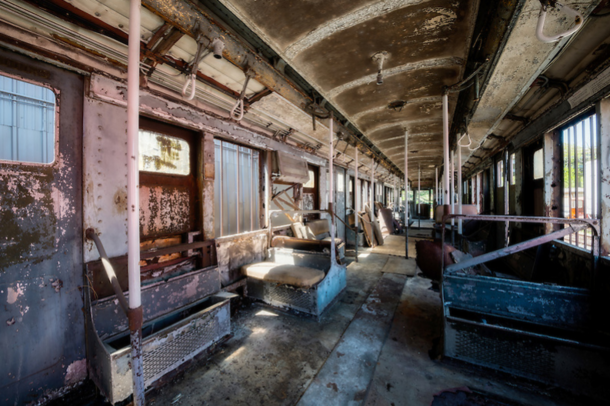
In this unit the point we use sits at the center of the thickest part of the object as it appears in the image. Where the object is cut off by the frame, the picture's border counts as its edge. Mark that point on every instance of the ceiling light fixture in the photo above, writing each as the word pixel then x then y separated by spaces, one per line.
pixel 379 58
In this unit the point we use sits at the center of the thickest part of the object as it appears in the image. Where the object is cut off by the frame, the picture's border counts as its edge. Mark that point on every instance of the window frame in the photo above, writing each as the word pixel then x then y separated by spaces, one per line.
pixel 500 174
pixel 255 220
pixel 595 173
pixel 56 123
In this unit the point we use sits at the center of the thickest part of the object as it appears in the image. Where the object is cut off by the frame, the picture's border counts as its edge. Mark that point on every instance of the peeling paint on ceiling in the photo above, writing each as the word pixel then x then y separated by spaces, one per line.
pixel 331 45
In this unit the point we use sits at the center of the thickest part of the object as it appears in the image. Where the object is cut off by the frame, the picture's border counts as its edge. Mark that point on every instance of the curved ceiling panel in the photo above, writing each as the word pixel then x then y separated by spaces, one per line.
pixel 286 22
pixel 410 85
pixel 435 29
pixel 415 112
pixel 331 44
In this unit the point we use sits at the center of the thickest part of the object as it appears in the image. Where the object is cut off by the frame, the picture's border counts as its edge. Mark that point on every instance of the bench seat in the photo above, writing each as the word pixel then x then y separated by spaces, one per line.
pixel 293 275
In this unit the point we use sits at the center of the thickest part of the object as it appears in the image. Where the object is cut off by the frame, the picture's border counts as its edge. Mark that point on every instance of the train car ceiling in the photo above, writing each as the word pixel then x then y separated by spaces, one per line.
pixel 275 139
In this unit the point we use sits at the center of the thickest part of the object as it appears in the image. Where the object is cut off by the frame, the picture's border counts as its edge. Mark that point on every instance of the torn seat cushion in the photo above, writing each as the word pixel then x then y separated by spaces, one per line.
pixel 293 275
pixel 428 258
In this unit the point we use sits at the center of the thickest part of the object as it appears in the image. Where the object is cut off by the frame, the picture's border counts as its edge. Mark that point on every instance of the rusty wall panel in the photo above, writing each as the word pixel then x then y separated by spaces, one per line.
pixel 157 299
pixel 165 210
pixel 207 185
pixel 235 251
pixel 42 326
pixel 105 176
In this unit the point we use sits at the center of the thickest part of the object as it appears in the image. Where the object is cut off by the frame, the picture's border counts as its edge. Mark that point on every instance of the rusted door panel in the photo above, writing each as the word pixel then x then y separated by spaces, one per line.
pixel 42 333
pixel 169 203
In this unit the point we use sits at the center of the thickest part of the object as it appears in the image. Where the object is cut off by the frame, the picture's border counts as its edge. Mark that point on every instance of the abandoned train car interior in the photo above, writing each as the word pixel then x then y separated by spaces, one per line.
pixel 346 202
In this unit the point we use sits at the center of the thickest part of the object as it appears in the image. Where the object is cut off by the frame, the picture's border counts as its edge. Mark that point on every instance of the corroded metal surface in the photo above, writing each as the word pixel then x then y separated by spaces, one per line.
pixel 41 250
pixel 241 249
pixel 331 46
pixel 157 299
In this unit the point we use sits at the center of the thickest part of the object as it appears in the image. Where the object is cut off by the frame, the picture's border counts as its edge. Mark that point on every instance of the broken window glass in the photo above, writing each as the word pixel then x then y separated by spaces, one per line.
pixel 162 153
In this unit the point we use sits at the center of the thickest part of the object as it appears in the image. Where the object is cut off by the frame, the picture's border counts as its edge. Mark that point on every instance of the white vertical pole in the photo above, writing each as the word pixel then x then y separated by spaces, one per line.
pixel 452 186
pixel 436 185
pixel 331 193
pixel 603 157
pixel 372 190
pixel 406 195
pixel 506 197
pixel 460 191
pixel 133 202
pixel 357 202
pixel 446 147
pixel 395 205
pixel 419 195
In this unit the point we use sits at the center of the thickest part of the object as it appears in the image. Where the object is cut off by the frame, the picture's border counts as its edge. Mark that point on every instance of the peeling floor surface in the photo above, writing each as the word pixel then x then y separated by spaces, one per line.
pixel 279 358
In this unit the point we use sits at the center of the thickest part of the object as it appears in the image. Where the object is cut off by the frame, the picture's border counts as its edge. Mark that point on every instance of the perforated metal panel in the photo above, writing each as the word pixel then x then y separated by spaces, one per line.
pixel 283 296
pixel 523 357
pixel 296 298
pixel 181 345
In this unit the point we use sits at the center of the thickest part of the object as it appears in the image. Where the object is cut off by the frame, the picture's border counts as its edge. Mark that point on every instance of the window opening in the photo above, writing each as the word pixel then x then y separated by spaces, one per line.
pixel 161 153
pixel 513 176
pixel 340 182
pixel 500 173
pixel 538 164
pixel 27 122
pixel 236 188
pixel 312 179
pixel 580 176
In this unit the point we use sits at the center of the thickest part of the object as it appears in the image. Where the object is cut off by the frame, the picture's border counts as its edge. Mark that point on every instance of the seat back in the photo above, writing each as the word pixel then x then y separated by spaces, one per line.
pixel 318 229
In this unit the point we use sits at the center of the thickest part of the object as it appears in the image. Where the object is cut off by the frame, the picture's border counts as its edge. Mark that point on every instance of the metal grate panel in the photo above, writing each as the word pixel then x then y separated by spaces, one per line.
pixel 180 346
pixel 295 298
pixel 523 357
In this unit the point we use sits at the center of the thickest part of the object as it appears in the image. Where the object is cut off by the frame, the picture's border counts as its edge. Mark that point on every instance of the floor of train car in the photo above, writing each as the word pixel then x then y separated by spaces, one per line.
pixel 377 345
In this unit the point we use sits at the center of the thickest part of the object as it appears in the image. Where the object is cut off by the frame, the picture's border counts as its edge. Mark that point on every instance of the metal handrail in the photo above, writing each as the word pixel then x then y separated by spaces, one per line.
pixel 576 225
pixel 90 234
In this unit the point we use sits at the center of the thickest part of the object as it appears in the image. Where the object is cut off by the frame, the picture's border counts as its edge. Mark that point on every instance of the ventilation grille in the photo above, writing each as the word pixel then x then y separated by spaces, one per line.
pixel 180 346
pixel 295 298
pixel 522 357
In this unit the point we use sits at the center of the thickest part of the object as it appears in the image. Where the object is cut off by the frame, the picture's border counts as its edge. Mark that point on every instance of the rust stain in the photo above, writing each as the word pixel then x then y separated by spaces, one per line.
pixel 28 216
pixel 333 386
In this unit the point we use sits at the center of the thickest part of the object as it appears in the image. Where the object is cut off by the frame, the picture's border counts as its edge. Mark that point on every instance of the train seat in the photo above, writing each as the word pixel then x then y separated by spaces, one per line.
pixel 294 275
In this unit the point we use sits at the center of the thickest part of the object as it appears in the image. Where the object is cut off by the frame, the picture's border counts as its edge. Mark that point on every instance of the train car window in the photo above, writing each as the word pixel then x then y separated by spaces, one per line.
pixel 580 175
pixel 312 180
pixel 538 164
pixel 340 182
pixel 236 188
pixel 27 122
pixel 500 174
pixel 513 178
pixel 162 153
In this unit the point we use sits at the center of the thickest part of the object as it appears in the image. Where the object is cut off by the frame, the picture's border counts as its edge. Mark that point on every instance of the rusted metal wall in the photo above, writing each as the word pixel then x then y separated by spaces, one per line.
pixel 237 250
pixel 553 178
pixel 42 326
pixel 206 184
pixel 105 176
pixel 165 210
